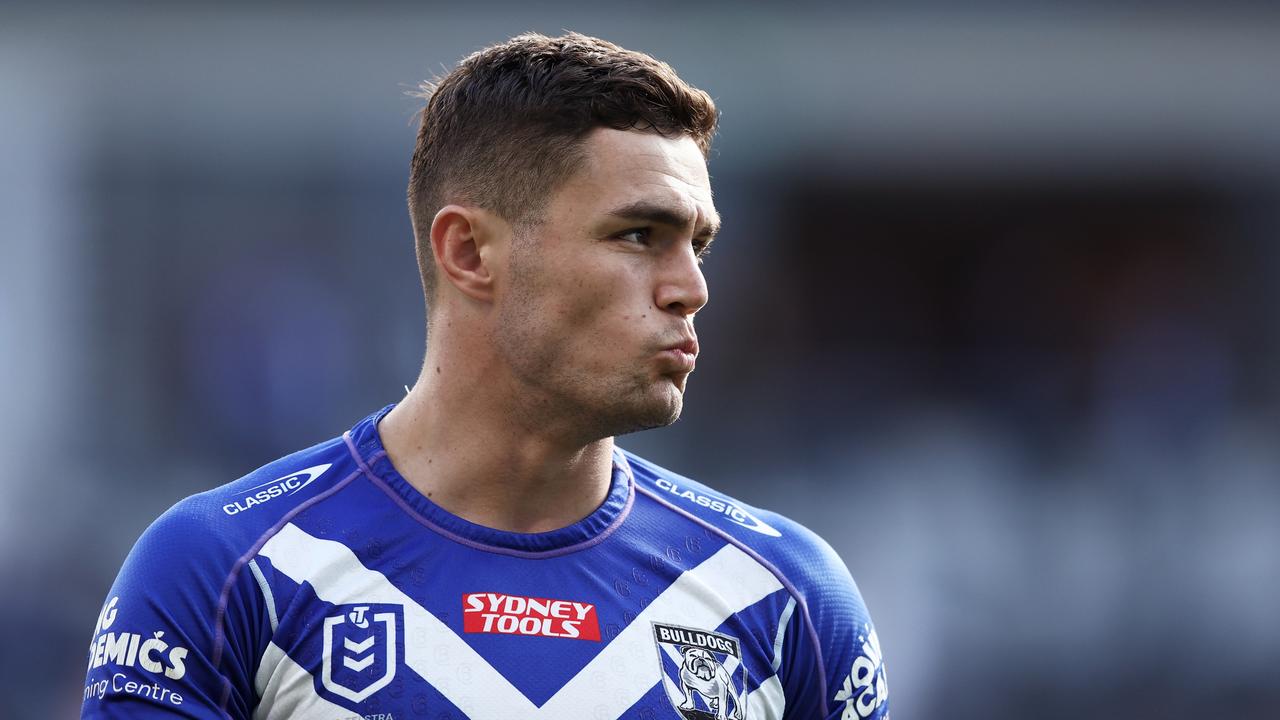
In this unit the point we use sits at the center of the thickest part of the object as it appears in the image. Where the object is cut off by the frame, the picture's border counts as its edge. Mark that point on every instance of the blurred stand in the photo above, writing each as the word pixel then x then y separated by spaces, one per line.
pixel 994 311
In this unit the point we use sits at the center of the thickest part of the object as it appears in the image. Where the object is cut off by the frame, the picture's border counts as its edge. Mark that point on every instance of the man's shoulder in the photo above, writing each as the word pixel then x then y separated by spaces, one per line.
pixel 191 569
pixel 232 517
pixel 833 652
pixel 800 556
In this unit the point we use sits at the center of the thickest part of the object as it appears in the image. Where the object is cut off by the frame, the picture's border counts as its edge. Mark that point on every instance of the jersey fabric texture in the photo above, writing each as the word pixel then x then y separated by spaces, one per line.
pixel 324 586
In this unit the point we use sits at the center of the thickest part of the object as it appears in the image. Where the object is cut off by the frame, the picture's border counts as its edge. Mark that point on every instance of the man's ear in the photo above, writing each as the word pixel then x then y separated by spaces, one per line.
pixel 469 244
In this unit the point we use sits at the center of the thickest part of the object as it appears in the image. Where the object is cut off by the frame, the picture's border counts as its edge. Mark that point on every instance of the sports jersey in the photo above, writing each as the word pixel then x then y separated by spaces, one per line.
pixel 324 586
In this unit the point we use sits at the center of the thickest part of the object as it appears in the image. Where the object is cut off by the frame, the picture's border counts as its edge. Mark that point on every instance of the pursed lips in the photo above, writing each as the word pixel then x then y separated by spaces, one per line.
pixel 687 345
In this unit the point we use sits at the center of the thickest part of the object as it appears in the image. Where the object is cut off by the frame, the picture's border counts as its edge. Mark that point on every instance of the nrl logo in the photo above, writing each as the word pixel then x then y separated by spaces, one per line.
pixel 702 672
pixel 360 649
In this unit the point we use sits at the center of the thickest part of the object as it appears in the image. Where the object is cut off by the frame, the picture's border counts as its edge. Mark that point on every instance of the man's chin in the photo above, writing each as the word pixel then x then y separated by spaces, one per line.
pixel 656 413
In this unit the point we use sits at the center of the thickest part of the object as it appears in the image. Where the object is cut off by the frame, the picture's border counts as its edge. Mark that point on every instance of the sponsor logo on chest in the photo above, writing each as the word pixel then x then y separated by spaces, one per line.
pixel 491 612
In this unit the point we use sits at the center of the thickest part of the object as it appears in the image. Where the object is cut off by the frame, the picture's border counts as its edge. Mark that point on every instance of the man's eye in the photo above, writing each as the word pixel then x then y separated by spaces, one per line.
pixel 639 236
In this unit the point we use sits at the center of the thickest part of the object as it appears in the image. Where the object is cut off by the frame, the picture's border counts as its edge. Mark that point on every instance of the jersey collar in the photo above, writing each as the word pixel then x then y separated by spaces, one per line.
pixel 366 444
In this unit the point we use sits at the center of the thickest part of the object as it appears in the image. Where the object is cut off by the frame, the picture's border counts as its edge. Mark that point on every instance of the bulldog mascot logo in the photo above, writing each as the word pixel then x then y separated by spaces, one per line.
pixel 702 672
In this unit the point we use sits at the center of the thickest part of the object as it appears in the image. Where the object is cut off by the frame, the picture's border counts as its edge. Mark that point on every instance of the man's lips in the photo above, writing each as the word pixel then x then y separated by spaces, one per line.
pixel 688 345
pixel 681 355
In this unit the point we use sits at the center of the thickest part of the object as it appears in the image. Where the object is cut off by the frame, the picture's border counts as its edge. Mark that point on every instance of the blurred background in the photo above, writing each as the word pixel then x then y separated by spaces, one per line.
pixel 996 310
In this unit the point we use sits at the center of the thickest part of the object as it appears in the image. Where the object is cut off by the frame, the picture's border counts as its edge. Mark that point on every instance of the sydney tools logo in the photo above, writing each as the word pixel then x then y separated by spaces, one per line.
pixel 517 615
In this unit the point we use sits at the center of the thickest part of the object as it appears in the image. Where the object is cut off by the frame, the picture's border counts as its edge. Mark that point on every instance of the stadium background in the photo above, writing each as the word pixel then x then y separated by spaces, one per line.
pixel 995 310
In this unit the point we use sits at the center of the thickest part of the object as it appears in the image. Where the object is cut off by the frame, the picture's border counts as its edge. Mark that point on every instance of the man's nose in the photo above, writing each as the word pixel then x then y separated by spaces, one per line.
pixel 682 289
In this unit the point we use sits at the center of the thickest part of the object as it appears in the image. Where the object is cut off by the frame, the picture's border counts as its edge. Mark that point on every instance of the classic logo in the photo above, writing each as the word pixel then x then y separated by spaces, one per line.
pixel 733 512
pixel 287 485
pixel 362 646
pixel 702 672
pixel 491 612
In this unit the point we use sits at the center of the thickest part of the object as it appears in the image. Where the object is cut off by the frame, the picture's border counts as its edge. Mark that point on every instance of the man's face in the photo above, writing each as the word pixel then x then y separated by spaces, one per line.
pixel 595 318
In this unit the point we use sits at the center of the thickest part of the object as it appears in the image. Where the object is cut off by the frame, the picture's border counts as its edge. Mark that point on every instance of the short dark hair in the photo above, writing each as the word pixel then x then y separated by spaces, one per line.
pixel 505 127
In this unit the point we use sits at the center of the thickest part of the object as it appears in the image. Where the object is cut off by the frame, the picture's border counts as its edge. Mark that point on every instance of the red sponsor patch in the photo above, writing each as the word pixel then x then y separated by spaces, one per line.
pixel 491 612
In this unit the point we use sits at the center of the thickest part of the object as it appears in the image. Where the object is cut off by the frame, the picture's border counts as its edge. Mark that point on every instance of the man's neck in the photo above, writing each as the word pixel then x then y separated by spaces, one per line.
pixel 467 452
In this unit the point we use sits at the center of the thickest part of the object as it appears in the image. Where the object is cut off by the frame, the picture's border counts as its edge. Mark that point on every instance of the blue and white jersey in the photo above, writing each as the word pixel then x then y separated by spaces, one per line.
pixel 324 586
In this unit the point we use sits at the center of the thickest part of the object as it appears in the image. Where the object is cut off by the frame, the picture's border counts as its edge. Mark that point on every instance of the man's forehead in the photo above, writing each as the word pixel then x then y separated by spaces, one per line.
pixel 633 169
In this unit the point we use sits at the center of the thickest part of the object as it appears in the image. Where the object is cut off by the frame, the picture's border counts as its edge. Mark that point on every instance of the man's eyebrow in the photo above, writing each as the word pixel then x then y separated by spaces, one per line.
pixel 649 211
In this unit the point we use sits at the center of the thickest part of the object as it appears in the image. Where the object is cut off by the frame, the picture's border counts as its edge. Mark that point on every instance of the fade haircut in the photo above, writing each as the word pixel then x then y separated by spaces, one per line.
pixel 505 128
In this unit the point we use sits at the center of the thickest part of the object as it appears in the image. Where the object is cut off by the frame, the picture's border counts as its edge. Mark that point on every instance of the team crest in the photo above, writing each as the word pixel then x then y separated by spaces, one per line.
pixel 702 672
pixel 361 649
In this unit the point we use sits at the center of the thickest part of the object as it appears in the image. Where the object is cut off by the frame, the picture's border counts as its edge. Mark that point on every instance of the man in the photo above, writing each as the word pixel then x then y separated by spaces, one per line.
pixel 482 549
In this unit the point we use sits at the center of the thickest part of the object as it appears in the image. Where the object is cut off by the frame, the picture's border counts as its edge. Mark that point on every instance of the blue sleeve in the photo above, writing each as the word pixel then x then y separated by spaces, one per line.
pixel 183 627
pixel 834 668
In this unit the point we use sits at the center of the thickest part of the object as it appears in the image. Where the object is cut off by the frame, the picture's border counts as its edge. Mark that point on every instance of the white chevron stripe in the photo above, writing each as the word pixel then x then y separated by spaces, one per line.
pixel 431 648
pixel 782 632
pixel 705 596
pixel 767 701
pixel 286 690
